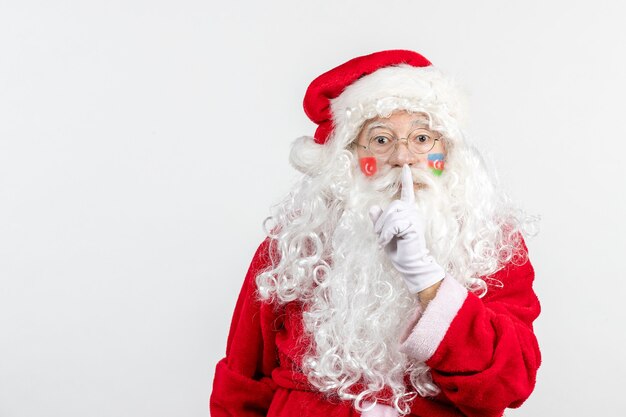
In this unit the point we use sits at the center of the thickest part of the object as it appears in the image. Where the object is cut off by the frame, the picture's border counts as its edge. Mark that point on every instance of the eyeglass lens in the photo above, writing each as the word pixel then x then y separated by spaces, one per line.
pixel 419 141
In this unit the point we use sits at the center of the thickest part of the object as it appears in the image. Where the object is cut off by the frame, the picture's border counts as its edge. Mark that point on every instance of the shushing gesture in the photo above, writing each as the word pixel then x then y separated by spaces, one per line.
pixel 400 231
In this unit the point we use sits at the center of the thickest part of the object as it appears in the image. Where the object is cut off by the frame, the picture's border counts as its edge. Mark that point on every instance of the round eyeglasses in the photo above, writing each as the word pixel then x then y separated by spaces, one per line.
pixel 419 141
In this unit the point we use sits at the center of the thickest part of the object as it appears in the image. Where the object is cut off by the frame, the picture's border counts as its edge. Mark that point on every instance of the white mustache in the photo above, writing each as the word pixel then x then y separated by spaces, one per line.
pixel 390 179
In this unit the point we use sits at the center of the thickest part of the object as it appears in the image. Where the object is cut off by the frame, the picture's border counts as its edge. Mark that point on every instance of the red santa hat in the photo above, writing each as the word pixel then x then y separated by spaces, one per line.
pixel 340 100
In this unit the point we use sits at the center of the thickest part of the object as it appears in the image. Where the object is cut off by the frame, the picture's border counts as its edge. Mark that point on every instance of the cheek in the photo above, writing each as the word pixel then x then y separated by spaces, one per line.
pixel 368 165
pixel 436 163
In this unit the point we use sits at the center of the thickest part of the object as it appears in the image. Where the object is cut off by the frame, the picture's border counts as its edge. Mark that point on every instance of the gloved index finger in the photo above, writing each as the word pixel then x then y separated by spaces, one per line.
pixel 407 194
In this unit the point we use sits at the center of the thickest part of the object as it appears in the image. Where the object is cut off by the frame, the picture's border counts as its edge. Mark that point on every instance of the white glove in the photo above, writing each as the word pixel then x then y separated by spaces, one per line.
pixel 400 231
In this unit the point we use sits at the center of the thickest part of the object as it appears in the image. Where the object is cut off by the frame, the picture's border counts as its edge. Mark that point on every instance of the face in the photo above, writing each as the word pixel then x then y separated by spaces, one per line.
pixel 411 135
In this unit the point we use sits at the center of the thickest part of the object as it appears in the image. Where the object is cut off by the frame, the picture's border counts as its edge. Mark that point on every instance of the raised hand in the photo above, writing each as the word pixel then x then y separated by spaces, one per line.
pixel 400 231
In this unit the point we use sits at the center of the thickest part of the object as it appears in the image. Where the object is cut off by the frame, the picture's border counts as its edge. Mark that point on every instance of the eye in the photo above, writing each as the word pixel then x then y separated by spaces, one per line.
pixel 422 138
pixel 381 140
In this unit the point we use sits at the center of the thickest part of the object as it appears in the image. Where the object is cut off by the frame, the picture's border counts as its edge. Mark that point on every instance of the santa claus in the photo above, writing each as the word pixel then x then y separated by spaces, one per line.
pixel 394 279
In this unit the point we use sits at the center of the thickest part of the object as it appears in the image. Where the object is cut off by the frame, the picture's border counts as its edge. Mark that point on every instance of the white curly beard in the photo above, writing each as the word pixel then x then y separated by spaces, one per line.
pixel 359 312
pixel 356 304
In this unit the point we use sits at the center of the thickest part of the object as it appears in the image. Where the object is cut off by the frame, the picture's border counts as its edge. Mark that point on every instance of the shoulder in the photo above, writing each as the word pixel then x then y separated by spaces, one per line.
pixel 262 257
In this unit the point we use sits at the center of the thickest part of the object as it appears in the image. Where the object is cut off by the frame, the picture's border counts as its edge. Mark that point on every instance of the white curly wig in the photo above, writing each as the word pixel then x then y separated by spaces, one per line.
pixel 326 252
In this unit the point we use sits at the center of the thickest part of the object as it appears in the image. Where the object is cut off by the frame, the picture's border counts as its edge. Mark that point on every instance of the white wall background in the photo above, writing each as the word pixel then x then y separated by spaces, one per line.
pixel 142 143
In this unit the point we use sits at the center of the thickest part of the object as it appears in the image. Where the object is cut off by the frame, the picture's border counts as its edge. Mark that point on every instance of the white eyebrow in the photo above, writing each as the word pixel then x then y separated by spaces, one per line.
pixel 421 122
pixel 378 125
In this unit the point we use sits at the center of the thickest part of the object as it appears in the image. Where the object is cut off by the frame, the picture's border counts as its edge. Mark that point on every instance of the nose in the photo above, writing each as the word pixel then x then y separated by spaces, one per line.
pixel 401 155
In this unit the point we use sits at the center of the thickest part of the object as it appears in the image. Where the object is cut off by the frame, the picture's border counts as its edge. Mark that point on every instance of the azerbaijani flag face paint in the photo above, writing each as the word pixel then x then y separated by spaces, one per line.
pixel 368 165
pixel 435 163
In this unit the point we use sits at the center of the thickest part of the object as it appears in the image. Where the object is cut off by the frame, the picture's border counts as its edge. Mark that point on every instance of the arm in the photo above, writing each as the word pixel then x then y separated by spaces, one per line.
pixel 425 296
pixel 483 353
pixel 242 384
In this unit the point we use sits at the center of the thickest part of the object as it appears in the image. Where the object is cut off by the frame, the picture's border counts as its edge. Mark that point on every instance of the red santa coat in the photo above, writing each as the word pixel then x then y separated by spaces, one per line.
pixel 482 352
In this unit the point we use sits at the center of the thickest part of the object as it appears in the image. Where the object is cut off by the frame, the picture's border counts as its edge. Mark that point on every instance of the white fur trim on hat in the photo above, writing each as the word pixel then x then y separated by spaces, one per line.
pixel 402 87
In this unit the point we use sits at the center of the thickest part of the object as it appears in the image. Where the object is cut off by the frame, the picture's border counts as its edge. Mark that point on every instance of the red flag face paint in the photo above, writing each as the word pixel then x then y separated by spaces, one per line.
pixel 435 163
pixel 368 165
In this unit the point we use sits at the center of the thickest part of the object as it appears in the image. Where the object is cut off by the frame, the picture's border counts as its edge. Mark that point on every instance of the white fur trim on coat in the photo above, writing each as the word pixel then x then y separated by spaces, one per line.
pixel 434 323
